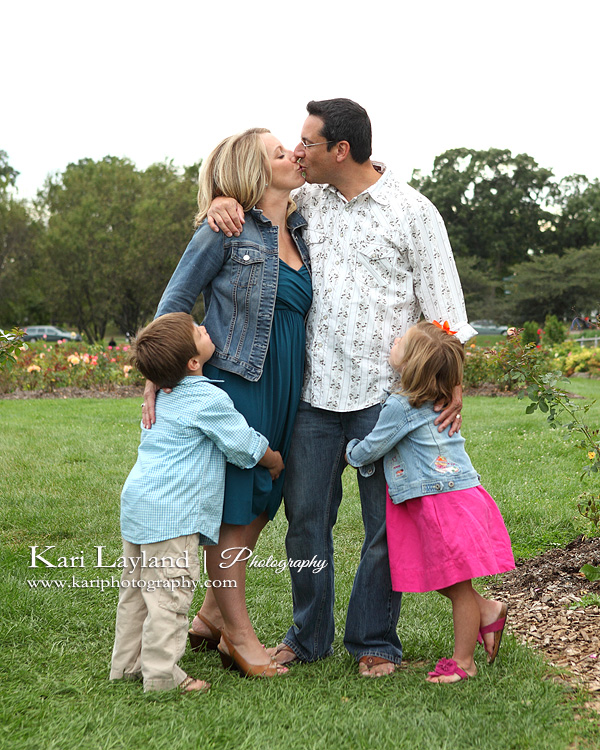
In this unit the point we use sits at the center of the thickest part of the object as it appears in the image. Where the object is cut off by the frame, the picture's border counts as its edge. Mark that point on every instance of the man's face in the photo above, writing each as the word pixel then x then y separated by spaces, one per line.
pixel 319 164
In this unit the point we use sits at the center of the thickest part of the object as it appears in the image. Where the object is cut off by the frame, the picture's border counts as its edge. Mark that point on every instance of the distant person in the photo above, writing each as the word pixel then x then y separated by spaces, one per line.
pixel 257 292
pixel 112 342
pixel 443 529
pixel 173 498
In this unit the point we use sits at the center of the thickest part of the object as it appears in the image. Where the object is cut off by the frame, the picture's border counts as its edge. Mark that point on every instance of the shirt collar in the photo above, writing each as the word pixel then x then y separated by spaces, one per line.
pixel 196 379
pixel 376 191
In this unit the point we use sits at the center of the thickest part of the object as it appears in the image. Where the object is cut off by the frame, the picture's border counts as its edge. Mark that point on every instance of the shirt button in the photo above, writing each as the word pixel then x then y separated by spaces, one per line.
pixel 246 257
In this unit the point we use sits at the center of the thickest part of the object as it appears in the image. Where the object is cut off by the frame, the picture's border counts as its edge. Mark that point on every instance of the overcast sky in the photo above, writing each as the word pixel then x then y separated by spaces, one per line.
pixel 154 80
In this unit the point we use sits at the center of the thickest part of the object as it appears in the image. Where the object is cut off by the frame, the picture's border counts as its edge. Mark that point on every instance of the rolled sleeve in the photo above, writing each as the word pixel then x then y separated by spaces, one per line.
pixel 437 283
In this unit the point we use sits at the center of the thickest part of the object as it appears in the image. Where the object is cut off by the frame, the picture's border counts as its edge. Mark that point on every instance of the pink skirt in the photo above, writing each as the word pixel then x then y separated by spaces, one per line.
pixel 435 541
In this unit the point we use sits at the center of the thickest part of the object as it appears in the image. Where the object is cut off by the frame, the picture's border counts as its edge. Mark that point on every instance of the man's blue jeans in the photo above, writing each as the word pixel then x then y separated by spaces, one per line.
pixel 313 492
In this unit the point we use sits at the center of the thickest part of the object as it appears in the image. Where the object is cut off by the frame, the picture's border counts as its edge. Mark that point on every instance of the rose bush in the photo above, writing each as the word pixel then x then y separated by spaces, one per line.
pixel 493 365
pixel 47 366
pixel 545 391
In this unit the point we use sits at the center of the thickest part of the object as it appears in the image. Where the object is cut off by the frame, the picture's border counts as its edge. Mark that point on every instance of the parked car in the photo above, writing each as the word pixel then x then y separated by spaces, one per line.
pixel 489 328
pixel 49 333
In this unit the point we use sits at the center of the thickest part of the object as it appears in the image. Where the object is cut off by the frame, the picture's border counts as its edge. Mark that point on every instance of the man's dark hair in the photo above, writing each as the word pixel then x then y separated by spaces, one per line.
pixel 344 120
pixel 163 348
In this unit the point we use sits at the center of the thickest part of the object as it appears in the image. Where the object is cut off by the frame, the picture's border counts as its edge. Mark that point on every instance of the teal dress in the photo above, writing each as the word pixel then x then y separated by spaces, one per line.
pixel 269 404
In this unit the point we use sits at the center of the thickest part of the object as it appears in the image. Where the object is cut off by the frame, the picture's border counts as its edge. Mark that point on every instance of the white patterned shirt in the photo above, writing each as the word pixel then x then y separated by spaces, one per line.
pixel 378 261
pixel 177 485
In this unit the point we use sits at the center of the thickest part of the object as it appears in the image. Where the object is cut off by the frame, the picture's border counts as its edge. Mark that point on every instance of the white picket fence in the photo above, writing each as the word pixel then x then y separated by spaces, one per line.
pixel 591 341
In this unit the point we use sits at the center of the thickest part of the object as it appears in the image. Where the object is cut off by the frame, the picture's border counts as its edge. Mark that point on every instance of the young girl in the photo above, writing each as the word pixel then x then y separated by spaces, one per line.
pixel 443 528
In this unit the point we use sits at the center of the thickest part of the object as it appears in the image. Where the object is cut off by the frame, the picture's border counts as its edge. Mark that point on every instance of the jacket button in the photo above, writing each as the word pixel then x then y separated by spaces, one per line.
pixel 438 486
pixel 450 484
pixel 246 257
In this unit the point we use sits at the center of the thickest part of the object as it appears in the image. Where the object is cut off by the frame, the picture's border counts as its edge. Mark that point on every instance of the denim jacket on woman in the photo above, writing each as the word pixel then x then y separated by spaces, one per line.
pixel 238 277
pixel 418 460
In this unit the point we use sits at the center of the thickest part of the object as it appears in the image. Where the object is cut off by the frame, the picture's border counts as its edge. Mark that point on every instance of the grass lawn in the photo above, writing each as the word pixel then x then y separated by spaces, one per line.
pixel 63 464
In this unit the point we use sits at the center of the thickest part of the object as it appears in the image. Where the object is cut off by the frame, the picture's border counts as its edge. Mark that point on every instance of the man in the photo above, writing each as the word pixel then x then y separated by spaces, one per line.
pixel 380 257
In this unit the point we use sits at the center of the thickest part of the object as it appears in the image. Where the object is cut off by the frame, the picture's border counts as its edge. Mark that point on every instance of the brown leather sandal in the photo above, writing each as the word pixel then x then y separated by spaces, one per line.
pixel 199 641
pixel 231 659
pixel 283 648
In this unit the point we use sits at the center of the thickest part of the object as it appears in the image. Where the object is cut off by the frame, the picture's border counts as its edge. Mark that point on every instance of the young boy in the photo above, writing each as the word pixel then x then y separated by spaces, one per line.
pixel 173 500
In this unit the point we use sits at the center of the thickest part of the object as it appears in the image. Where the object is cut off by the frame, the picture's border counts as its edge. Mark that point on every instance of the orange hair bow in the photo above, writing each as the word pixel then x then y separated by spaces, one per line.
pixel 445 327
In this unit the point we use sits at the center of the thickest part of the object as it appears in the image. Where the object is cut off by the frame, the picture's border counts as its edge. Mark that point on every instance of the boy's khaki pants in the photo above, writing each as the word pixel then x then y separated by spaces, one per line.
pixel 152 615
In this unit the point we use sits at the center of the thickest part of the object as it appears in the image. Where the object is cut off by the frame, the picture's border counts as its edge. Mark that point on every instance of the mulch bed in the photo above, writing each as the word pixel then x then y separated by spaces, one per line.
pixel 541 591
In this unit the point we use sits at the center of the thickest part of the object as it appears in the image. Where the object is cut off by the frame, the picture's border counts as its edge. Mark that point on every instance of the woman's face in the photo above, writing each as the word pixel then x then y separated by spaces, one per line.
pixel 286 174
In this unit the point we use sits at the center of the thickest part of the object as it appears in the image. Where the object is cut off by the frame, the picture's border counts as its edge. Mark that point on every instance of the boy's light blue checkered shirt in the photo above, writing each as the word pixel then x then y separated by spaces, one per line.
pixel 177 484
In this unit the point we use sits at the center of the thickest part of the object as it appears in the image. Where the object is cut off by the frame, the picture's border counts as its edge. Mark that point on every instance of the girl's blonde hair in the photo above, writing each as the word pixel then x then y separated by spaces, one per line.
pixel 238 168
pixel 431 364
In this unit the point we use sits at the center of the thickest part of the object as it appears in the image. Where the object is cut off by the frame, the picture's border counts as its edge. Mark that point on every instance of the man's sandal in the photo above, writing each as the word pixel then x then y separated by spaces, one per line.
pixel 366 664
pixel 289 655
pixel 497 628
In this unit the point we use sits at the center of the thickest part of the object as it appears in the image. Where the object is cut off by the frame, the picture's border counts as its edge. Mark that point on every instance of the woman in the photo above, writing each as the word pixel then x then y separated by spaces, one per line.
pixel 257 291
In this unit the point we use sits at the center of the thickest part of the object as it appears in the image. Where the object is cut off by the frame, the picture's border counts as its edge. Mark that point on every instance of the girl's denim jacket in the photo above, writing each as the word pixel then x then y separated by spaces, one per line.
pixel 238 278
pixel 418 460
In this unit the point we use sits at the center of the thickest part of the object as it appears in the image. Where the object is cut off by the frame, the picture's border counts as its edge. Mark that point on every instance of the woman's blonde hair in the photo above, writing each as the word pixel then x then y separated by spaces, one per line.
pixel 238 168
pixel 431 365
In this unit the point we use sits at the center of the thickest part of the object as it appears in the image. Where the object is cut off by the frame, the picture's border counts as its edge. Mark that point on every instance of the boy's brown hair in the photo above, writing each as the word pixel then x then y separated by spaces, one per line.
pixel 432 364
pixel 162 350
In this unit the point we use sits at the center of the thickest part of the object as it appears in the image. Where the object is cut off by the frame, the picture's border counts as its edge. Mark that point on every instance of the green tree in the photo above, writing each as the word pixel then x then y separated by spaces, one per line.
pixel 19 232
pixel 578 203
pixel 90 226
pixel 555 285
pixel 114 237
pixel 484 298
pixel 8 175
pixel 162 225
pixel 494 204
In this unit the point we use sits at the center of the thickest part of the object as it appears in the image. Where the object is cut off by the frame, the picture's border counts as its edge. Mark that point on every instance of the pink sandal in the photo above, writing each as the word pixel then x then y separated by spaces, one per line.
pixel 497 628
pixel 447 668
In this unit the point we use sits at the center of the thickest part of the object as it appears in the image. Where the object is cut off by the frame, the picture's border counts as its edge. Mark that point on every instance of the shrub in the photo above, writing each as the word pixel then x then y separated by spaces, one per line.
pixel 531 333
pixel 581 359
pixel 481 366
pixel 554 331
pixel 494 365
pixel 46 366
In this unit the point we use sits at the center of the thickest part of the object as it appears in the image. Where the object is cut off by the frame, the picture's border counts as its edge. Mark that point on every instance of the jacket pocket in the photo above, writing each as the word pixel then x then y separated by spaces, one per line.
pixel 246 264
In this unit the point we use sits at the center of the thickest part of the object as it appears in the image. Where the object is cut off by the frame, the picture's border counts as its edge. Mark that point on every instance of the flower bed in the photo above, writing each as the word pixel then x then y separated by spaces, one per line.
pixel 45 366
pixel 573 359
